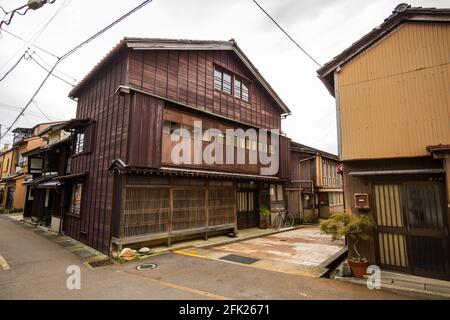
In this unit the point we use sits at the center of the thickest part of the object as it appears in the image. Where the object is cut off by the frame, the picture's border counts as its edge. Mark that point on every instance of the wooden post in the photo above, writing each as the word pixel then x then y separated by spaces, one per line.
pixel 169 225
pixel 235 210
pixel 206 210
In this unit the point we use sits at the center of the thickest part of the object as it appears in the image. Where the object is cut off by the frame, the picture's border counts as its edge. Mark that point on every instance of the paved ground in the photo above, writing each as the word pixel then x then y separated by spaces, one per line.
pixel 303 251
pixel 38 271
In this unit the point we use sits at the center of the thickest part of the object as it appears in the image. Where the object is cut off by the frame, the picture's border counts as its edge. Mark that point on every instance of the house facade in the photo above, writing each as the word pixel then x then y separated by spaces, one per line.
pixel 46 198
pixel 141 111
pixel 393 107
pixel 316 174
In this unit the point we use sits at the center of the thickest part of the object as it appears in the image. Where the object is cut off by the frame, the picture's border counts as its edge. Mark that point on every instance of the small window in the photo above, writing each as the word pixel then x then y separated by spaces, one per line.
pixel 240 89
pixel 222 81
pixel 79 142
pixel 75 204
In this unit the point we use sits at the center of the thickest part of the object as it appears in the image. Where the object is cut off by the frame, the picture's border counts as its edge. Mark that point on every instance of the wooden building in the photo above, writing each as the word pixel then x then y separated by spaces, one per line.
pixel 316 188
pixel 126 187
pixel 46 198
pixel 393 106
pixel 15 164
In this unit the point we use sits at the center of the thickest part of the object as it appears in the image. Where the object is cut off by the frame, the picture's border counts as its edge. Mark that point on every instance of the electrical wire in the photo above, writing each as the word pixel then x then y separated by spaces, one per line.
pixel 287 34
pixel 8 107
pixel 70 52
pixel 54 75
pixel 33 45
pixel 36 36
pixel 18 11
pixel 49 66
pixel 37 106
pixel 12 68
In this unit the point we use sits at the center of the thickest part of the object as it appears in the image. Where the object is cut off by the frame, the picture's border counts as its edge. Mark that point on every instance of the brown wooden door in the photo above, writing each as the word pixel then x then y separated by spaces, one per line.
pixel 427 228
pixel 248 216
pixel 411 233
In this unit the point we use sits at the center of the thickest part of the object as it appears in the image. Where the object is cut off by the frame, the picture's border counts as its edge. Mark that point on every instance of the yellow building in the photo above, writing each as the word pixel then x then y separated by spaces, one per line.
pixel 393 113
pixel 15 166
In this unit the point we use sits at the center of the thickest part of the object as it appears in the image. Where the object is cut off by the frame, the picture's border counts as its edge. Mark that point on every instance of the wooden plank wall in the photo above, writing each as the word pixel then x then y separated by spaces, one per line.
pixel 146 120
pixel 188 77
pixel 285 158
pixel 110 113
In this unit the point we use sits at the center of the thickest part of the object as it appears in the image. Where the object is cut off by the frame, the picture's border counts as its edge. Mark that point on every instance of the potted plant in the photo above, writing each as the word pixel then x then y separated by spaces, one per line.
pixel 354 228
pixel 264 214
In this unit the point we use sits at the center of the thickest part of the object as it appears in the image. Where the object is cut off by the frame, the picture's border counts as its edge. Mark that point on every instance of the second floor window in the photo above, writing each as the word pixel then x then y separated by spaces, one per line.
pixel 79 142
pixel 222 81
pixel 240 89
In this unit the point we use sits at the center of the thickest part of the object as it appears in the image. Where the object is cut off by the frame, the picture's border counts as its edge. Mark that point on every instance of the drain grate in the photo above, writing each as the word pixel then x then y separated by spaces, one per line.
pixel 239 259
pixel 66 243
pixel 146 266
pixel 84 253
pixel 100 263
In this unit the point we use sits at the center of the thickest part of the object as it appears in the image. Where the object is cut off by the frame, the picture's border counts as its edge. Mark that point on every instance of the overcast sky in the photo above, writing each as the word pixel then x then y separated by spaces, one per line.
pixel 323 27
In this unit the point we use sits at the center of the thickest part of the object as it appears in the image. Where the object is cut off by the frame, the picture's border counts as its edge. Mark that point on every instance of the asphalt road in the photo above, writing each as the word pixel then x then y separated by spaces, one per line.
pixel 38 271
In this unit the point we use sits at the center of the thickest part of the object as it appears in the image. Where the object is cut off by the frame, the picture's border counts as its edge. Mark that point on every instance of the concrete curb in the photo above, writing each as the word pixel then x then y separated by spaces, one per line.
pixel 395 287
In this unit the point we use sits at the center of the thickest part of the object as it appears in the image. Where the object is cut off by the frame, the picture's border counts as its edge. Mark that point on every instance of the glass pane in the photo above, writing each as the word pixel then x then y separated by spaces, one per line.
pixel 217 80
pixel 245 94
pixel 237 88
pixel 226 83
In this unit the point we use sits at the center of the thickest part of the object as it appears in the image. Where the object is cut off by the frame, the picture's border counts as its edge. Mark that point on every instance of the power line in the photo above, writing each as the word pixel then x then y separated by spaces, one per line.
pixel 33 45
pixel 49 66
pixel 70 52
pixel 36 105
pixel 12 68
pixel 26 6
pixel 57 77
pixel 287 34
pixel 36 36
pixel 11 108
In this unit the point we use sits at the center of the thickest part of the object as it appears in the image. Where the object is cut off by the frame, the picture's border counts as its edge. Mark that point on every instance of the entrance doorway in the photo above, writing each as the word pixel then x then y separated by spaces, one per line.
pixel 247 209
pixel 412 228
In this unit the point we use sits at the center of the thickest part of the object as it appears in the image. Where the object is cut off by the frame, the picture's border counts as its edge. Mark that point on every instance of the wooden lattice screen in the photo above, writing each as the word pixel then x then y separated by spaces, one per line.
pixel 146 211
pixel 188 209
pixel 221 205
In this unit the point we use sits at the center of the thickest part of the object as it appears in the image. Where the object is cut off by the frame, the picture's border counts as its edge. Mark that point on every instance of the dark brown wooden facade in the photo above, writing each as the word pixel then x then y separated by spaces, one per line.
pixel 122 106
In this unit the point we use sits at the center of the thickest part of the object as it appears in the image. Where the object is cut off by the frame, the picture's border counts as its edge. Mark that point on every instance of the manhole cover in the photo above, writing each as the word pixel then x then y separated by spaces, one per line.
pixel 239 259
pixel 146 266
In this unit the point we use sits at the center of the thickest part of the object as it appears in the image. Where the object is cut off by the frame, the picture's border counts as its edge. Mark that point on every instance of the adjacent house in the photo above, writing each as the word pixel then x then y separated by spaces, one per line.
pixel 393 106
pixel 6 156
pixel 317 175
pixel 15 166
pixel 46 199
pixel 126 185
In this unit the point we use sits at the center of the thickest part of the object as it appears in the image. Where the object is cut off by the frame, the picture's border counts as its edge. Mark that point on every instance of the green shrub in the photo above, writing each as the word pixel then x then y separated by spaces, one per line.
pixel 343 224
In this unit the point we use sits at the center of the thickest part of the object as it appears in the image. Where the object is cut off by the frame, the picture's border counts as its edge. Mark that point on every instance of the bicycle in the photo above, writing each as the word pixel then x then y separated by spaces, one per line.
pixel 283 219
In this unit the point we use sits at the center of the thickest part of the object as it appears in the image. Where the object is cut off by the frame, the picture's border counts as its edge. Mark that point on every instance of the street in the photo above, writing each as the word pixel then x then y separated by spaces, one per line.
pixel 38 271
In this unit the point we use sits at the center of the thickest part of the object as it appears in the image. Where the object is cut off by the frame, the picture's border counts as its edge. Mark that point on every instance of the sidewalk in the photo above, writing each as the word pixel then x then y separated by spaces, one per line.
pixel 405 282
pixel 90 257
pixel 243 235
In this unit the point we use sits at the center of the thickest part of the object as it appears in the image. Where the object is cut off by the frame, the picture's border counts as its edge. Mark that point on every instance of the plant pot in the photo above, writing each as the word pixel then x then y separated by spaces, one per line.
pixel 359 269
pixel 263 222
